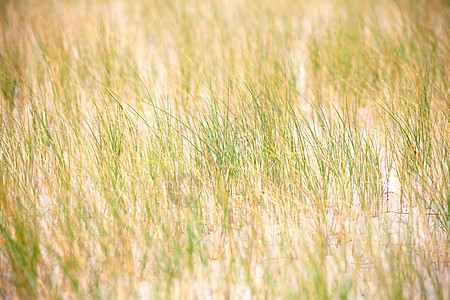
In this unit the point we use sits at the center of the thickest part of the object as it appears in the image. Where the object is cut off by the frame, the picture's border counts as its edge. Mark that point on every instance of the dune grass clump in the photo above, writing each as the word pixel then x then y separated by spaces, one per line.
pixel 224 149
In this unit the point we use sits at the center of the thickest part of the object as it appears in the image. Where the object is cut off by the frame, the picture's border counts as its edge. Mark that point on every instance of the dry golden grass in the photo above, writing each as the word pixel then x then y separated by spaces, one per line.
pixel 224 149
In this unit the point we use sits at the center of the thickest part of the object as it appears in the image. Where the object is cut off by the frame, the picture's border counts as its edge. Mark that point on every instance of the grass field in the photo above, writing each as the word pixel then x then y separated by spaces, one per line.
pixel 232 149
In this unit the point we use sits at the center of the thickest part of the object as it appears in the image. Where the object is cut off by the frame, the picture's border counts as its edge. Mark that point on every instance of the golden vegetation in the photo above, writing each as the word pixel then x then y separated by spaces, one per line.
pixel 237 149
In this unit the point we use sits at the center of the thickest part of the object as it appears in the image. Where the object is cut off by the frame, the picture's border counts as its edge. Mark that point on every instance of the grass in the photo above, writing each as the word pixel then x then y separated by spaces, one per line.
pixel 224 149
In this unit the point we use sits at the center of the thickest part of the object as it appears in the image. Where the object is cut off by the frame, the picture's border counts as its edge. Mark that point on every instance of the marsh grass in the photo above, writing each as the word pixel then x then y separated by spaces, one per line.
pixel 237 149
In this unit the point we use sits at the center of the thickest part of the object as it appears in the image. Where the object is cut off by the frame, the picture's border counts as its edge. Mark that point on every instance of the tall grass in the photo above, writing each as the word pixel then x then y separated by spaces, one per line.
pixel 237 149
